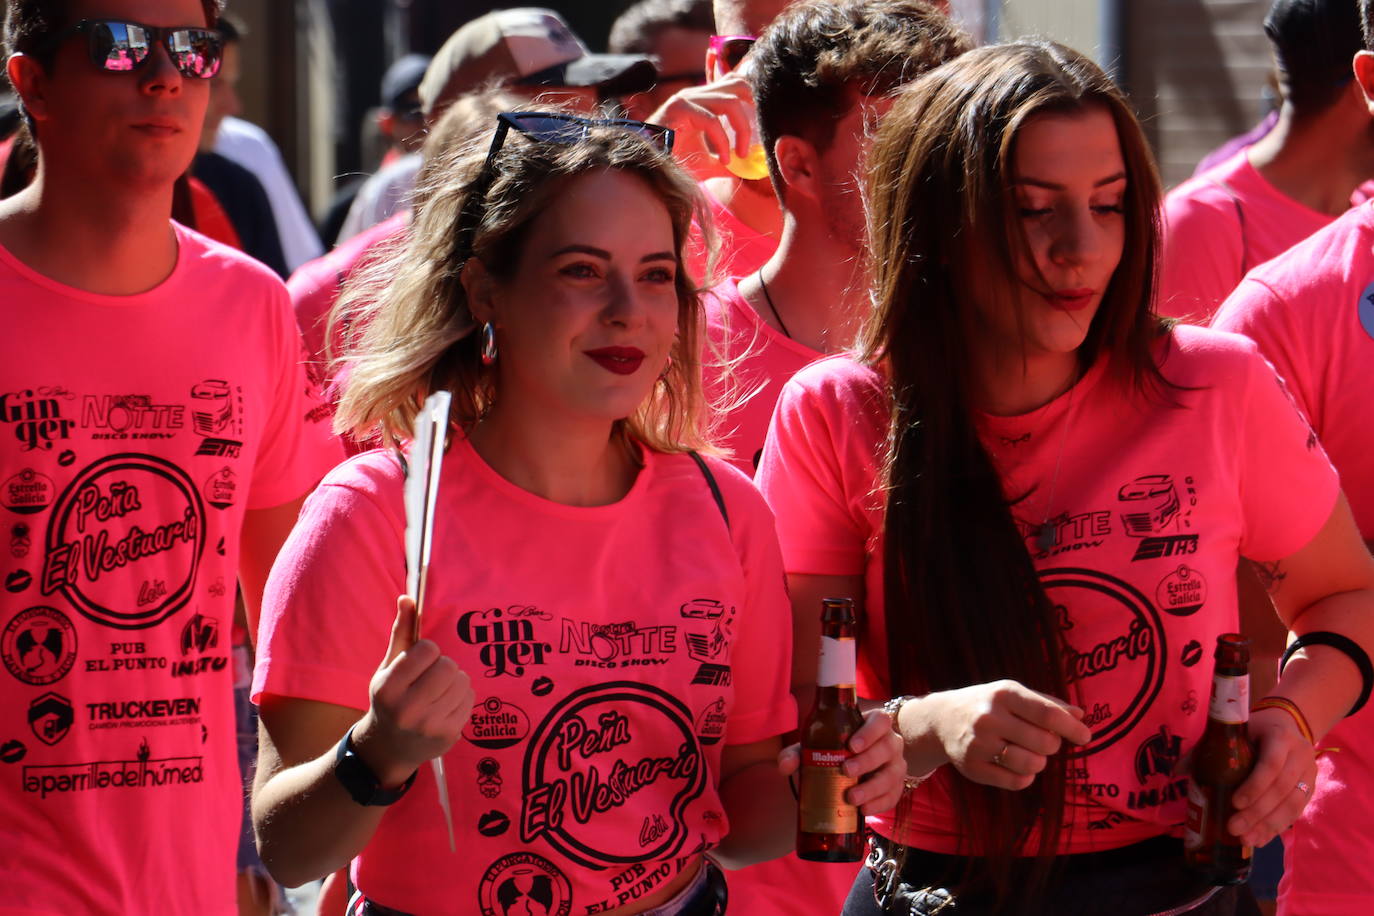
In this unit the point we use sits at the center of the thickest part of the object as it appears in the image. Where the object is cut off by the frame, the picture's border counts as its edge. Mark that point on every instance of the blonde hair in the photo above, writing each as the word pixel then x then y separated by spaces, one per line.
pixel 409 328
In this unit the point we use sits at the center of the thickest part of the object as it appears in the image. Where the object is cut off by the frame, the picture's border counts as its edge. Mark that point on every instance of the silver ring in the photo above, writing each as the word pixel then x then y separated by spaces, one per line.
pixel 997 758
pixel 1305 789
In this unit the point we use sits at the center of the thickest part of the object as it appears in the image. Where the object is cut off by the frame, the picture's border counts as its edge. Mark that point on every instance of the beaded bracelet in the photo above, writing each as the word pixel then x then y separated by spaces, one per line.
pixel 1292 709
pixel 1342 644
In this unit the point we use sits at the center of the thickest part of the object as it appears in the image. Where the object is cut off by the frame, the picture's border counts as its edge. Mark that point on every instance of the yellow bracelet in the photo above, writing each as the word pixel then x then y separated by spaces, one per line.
pixel 1292 709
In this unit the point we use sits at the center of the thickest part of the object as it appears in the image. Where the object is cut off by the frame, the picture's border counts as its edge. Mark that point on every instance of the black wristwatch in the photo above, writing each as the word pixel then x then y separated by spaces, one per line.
pixel 357 777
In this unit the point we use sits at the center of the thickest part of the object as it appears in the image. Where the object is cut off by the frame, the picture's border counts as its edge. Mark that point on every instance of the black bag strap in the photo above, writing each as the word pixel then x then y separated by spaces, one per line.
pixel 715 487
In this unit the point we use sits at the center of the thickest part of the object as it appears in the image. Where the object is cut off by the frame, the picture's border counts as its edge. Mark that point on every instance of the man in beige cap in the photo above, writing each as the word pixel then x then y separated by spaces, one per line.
pixel 528 50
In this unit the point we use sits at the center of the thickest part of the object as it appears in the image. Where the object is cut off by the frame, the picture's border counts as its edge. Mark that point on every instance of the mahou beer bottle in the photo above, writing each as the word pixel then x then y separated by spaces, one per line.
pixel 828 828
pixel 1221 762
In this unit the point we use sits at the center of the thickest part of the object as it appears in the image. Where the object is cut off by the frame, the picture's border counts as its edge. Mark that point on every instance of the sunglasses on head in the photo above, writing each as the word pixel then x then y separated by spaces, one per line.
pixel 545 127
pixel 731 50
pixel 555 127
pixel 122 47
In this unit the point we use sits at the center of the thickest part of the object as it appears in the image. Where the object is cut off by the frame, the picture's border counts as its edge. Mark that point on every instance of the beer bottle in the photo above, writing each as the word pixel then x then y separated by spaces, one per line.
pixel 828 828
pixel 1221 762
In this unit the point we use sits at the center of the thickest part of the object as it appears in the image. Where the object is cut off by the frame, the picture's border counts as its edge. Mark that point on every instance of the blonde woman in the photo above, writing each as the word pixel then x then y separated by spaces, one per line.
pixel 605 668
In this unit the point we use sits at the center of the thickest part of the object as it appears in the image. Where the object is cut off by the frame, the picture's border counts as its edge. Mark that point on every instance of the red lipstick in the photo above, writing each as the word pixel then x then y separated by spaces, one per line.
pixel 1071 300
pixel 620 360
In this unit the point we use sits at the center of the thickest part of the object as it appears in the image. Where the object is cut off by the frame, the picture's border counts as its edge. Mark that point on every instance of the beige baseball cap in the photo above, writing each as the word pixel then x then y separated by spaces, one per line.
pixel 529 46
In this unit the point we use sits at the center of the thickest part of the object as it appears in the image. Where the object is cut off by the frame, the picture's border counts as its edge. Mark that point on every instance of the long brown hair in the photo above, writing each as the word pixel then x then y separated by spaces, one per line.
pixel 964 603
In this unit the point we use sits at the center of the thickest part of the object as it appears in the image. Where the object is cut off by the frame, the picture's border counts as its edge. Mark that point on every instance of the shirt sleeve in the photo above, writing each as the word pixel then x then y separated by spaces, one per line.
pixel 762 653
pixel 1203 254
pixel 1255 310
pixel 803 481
pixel 1287 484
pixel 298 445
pixel 331 598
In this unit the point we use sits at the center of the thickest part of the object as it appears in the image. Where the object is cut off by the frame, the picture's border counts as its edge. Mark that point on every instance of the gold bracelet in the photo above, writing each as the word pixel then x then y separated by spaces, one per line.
pixel 1292 709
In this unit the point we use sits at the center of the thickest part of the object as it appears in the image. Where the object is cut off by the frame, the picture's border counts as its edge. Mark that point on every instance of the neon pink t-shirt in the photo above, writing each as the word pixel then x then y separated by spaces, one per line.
pixel 134 433
pixel 315 286
pixel 1213 236
pixel 1311 310
pixel 741 250
pixel 1152 505
pixel 761 361
pixel 747 364
pixel 614 650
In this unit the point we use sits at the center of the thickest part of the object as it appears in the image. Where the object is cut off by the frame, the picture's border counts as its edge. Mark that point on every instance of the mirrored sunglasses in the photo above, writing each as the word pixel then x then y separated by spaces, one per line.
pixel 122 47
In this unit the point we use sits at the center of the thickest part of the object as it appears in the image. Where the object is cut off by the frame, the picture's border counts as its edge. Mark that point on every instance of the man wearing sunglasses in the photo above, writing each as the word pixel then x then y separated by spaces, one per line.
pixel 156 436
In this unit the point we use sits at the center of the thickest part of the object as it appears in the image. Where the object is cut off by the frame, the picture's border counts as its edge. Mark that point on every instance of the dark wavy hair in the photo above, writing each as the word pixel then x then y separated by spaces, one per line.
pixel 964 603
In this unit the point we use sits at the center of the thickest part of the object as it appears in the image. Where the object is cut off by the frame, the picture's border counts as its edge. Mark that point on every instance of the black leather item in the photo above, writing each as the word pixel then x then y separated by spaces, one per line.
pixel 1138 880
pixel 357 777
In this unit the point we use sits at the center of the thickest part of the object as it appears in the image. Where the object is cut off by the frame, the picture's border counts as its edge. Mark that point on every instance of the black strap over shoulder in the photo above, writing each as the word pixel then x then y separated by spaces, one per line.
pixel 715 487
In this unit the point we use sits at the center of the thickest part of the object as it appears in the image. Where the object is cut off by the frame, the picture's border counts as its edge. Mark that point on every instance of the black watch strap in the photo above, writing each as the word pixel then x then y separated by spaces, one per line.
pixel 357 777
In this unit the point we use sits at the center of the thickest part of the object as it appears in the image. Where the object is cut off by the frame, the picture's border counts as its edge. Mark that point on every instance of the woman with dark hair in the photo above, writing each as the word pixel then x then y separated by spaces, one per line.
pixel 605 668
pixel 1039 492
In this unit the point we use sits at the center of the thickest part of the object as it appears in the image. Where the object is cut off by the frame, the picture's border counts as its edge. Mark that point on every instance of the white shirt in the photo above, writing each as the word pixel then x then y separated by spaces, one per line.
pixel 250 146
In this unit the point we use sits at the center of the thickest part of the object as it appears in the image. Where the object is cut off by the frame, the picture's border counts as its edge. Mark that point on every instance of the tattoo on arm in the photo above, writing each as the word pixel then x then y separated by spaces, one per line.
pixel 1271 575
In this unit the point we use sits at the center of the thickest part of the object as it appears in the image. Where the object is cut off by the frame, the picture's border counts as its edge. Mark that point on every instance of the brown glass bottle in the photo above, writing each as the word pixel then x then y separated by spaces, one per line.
pixel 1221 762
pixel 828 828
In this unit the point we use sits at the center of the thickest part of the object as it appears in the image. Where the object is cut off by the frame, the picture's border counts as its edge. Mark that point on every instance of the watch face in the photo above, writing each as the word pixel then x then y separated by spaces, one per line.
pixel 362 784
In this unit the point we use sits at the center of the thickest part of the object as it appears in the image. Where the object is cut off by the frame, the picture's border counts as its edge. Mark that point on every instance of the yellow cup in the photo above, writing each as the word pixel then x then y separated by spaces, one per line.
pixel 752 167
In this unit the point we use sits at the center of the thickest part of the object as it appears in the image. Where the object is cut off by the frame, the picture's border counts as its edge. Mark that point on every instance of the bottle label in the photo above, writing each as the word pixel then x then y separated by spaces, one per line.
pixel 822 807
pixel 1230 699
pixel 1197 817
pixel 837 663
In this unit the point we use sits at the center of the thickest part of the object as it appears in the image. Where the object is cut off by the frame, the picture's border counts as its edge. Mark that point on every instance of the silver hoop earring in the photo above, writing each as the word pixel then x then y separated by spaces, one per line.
pixel 488 344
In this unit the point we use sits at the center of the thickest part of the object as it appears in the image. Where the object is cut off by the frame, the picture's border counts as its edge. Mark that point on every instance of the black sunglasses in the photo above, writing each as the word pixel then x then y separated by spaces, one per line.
pixel 555 127
pixel 122 47
pixel 545 127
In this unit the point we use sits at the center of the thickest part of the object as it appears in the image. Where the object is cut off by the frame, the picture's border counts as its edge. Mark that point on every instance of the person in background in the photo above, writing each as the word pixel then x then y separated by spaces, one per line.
pixel 677 35
pixel 530 51
pixel 159 431
pixel 1289 183
pixel 1309 309
pixel 745 211
pixel 236 188
pixel 248 145
pixel 315 287
pixel 816 122
pixel 1009 474
pixel 400 123
pixel 543 286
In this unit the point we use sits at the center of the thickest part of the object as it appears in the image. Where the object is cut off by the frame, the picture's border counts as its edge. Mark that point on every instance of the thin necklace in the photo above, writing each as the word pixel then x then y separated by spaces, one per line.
pixel 773 308
pixel 1045 535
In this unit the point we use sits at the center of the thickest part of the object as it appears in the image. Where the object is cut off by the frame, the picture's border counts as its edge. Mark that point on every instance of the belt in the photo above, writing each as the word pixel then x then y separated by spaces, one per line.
pixel 897 896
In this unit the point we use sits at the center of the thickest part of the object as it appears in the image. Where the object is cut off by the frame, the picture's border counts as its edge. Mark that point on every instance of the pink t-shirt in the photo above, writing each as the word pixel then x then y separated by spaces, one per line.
pixel 1152 504
pixel 614 650
pixel 315 286
pixel 1219 225
pixel 760 362
pixel 1311 310
pixel 741 249
pixel 747 363
pixel 134 433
